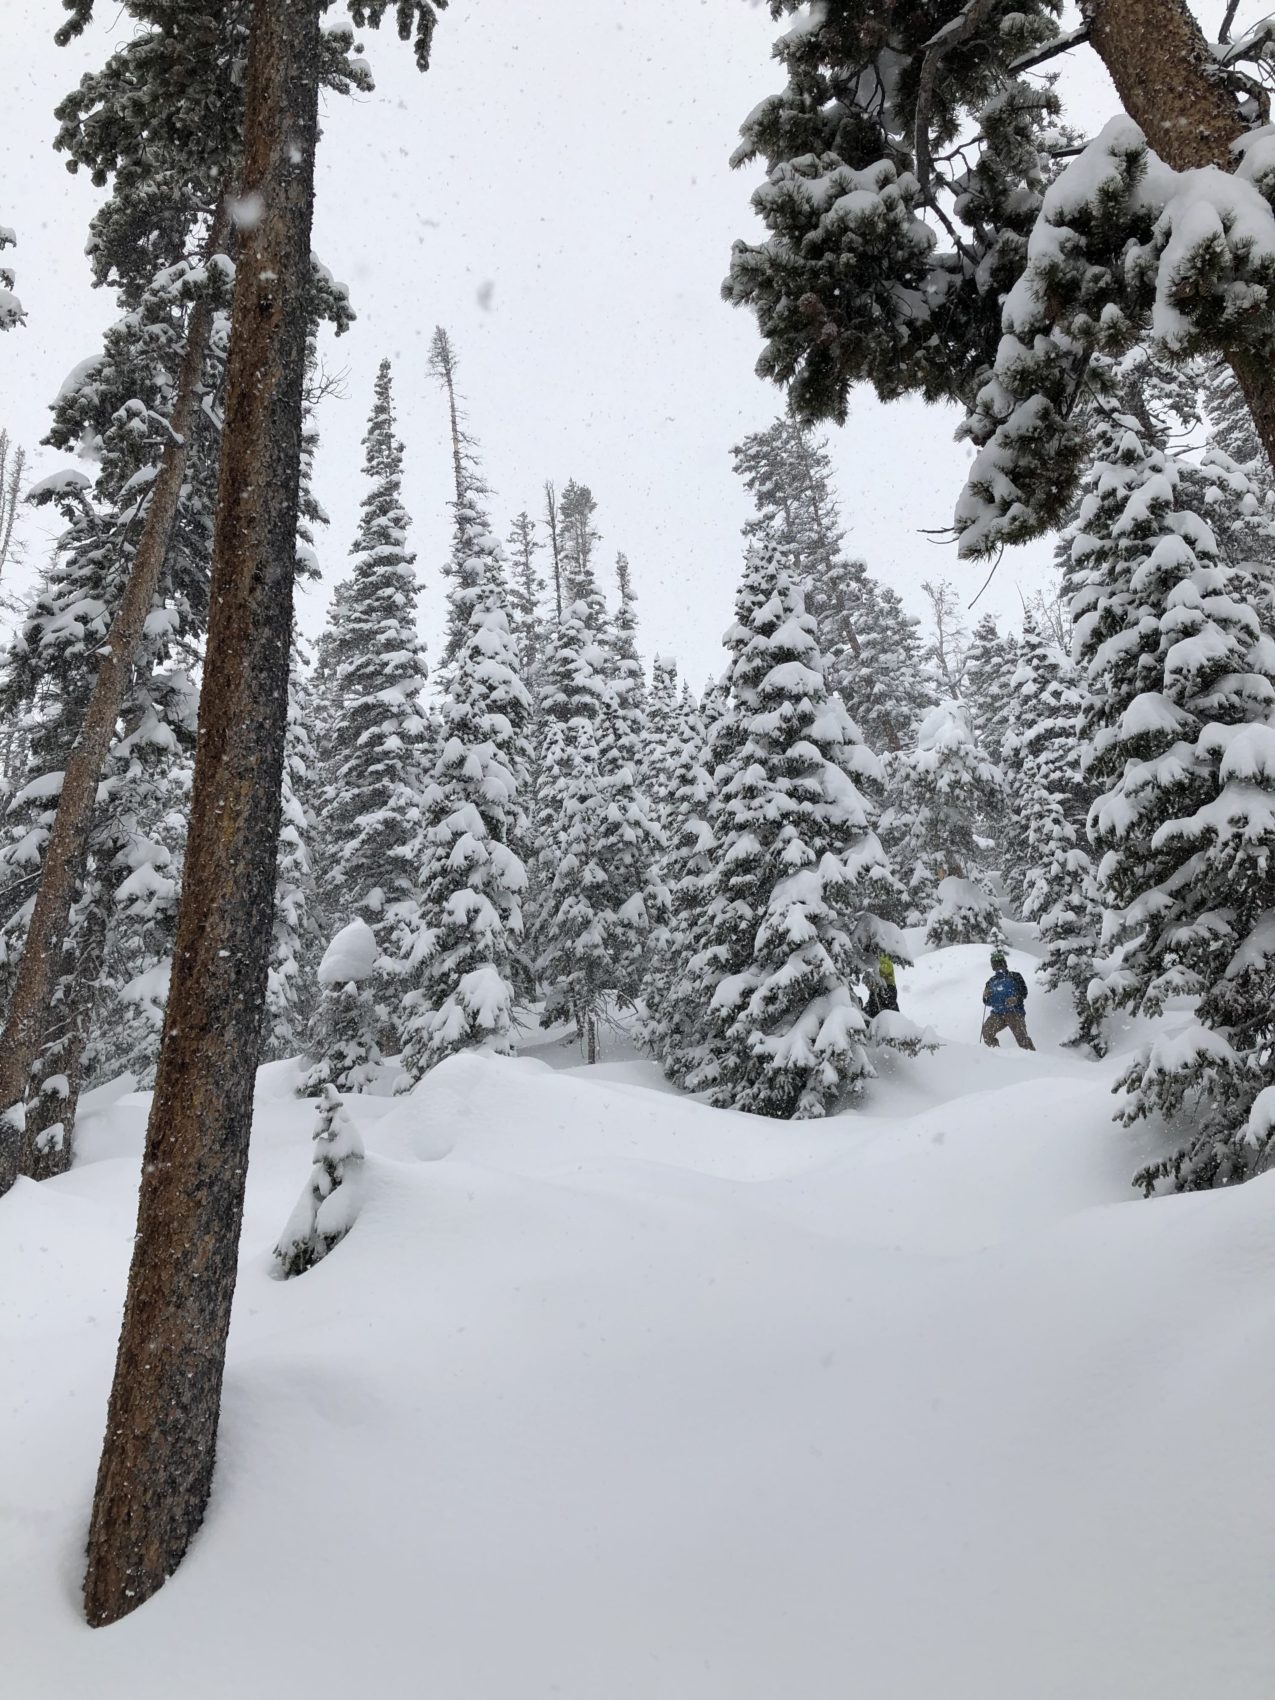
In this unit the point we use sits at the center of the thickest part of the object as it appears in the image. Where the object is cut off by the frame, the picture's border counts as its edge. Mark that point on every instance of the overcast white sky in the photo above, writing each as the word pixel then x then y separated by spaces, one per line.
pixel 556 192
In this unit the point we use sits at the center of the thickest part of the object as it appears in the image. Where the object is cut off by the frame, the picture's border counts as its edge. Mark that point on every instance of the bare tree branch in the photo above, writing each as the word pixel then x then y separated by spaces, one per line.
pixel 1051 50
pixel 961 28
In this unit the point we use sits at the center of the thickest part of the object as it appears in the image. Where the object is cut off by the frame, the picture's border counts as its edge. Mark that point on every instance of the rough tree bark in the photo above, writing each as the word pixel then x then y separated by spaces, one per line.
pixel 1168 83
pixel 157 1460
pixel 67 848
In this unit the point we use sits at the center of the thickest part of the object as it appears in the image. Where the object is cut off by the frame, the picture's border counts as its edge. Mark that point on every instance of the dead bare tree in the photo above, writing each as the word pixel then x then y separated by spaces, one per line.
pixel 13 461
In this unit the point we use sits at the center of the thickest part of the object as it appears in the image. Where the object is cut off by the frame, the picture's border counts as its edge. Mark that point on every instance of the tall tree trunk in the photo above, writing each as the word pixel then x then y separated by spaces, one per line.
pixel 157 1460
pixel 66 852
pixel 1169 84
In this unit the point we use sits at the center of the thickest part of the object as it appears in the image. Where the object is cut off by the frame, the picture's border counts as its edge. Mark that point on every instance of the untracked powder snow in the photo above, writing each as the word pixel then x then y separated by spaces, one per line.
pixel 608 1395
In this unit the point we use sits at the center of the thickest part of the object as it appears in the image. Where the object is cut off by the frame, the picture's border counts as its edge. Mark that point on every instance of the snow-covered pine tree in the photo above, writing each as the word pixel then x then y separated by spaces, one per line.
pixel 1065 900
pixel 988 692
pixel 788 471
pixel 673 1024
pixel 161 123
pixel 1042 692
pixel 371 768
pixel 118 409
pixel 1181 692
pixel 633 840
pixel 578 541
pixel 710 933
pixel 888 690
pixel 800 881
pixel 1047 869
pixel 692 729
pixel 138 849
pixel 663 746
pixel 348 1019
pixel 474 544
pixel 526 590
pixel 460 941
pixel 327 1209
pixel 1239 500
pixel 115 952
pixel 289 999
pixel 571 928
pixel 943 786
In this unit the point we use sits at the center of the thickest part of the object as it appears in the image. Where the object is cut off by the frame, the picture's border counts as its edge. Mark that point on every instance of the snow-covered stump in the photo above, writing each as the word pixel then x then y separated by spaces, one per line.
pixel 964 913
pixel 327 1209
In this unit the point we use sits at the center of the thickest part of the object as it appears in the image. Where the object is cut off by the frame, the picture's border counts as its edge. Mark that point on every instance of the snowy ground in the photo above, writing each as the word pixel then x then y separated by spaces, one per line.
pixel 612 1397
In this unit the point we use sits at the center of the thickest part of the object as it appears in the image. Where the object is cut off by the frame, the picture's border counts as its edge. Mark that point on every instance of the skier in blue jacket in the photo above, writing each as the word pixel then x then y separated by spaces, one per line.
pixel 1005 1000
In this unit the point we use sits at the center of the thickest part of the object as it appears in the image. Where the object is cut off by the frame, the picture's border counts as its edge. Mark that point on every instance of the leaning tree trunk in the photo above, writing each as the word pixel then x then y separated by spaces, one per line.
pixel 157 1460
pixel 1168 83
pixel 66 852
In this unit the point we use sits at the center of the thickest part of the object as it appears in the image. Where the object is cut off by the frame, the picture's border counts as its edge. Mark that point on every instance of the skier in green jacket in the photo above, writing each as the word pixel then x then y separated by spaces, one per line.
pixel 882 991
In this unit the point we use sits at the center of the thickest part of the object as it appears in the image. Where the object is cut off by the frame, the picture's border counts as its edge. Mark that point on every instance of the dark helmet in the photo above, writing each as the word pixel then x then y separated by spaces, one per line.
pixel 999 959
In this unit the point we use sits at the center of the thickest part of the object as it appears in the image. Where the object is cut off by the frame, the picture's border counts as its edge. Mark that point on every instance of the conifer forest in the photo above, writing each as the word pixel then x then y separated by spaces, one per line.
pixel 637 849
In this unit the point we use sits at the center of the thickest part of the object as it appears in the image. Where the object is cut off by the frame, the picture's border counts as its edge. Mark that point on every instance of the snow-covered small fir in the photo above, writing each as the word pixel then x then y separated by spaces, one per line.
pixel 327 1209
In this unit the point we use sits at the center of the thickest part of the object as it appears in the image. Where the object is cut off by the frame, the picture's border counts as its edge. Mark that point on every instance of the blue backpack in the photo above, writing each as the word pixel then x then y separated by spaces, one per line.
pixel 1006 993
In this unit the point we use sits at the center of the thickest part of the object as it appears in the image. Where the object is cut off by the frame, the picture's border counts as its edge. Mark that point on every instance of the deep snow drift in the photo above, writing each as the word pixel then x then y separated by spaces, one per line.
pixel 610 1396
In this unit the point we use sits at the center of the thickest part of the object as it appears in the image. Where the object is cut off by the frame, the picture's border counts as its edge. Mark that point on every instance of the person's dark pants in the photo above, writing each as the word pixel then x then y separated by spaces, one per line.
pixel 996 1024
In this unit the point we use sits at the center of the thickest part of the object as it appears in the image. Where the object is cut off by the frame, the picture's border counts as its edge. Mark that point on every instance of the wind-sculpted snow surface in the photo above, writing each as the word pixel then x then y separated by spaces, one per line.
pixel 610 1394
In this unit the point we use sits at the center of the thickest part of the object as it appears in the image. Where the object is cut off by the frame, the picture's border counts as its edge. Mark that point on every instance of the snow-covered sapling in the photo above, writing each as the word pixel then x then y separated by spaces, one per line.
pixel 327 1208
